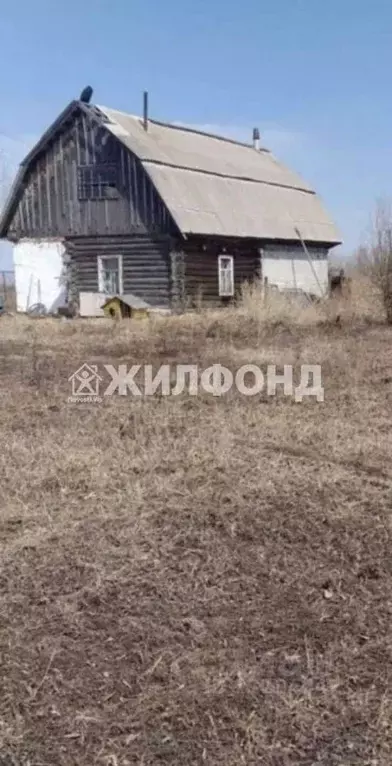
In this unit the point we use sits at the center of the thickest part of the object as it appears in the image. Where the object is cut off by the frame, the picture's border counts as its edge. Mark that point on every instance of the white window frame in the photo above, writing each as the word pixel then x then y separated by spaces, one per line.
pixel 101 259
pixel 224 292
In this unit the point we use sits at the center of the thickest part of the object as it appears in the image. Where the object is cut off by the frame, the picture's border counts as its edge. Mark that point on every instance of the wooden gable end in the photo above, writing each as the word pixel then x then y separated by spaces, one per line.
pixel 64 193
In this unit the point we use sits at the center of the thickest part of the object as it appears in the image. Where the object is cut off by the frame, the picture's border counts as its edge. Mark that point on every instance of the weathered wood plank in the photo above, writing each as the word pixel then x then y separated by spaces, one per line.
pixel 54 209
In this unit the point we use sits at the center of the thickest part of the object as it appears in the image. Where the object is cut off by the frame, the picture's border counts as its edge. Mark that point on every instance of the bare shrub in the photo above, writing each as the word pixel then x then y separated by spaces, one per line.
pixel 374 259
pixel 270 306
pixel 360 300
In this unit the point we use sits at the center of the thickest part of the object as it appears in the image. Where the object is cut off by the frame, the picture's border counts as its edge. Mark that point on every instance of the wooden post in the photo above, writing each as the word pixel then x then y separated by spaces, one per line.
pixel 265 284
pixel 306 251
pixel 177 260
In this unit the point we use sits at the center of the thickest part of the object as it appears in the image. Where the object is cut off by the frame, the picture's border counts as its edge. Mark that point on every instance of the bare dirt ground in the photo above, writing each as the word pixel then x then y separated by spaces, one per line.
pixel 196 580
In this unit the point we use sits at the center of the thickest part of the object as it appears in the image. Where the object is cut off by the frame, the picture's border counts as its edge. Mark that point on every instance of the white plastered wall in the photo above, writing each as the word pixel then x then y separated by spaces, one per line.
pixel 38 267
pixel 291 268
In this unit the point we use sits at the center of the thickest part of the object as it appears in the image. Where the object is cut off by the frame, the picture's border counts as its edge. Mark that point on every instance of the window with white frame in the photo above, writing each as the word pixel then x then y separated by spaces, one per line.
pixel 110 276
pixel 226 275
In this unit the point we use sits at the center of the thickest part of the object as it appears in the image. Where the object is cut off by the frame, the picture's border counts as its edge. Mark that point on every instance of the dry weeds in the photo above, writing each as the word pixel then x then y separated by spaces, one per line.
pixel 193 580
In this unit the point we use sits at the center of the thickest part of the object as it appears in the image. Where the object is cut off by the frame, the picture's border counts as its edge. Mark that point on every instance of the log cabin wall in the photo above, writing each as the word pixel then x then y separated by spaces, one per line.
pixel 201 267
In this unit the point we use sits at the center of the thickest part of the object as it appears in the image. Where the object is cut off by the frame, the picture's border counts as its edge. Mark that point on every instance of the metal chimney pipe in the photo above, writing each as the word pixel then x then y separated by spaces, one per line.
pixel 256 139
pixel 145 110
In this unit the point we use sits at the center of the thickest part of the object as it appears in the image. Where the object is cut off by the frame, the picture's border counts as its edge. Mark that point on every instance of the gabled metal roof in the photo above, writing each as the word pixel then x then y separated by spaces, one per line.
pixel 180 147
pixel 210 204
pixel 212 185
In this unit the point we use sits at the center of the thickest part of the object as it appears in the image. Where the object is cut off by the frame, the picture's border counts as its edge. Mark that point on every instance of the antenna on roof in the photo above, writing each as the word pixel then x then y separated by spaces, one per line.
pixel 86 94
pixel 145 110
pixel 256 139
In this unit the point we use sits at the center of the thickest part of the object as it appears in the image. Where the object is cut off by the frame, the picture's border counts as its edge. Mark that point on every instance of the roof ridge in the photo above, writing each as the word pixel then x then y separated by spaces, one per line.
pixel 188 129
pixel 218 136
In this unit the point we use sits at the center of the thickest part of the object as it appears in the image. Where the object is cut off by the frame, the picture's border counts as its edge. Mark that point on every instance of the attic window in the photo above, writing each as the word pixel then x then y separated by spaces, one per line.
pixel 97 182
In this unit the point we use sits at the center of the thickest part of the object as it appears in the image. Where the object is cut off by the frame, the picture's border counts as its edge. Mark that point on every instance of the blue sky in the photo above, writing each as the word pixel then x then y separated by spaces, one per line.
pixel 313 75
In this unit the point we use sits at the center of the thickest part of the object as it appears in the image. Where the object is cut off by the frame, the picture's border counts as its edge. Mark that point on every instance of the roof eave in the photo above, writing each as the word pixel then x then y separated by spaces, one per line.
pixel 260 239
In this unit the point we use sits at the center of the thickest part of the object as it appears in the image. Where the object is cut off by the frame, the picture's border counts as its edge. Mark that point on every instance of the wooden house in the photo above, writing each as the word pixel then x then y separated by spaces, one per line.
pixel 169 214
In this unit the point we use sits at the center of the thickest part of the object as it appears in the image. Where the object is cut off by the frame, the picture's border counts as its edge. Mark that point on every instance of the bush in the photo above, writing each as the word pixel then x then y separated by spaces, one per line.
pixel 375 258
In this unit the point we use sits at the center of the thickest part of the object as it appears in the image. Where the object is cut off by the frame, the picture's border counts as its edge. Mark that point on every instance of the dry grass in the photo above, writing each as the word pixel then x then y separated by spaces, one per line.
pixel 196 580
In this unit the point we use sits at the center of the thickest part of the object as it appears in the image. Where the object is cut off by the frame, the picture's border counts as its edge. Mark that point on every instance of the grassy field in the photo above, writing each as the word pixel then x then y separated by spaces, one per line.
pixel 197 580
